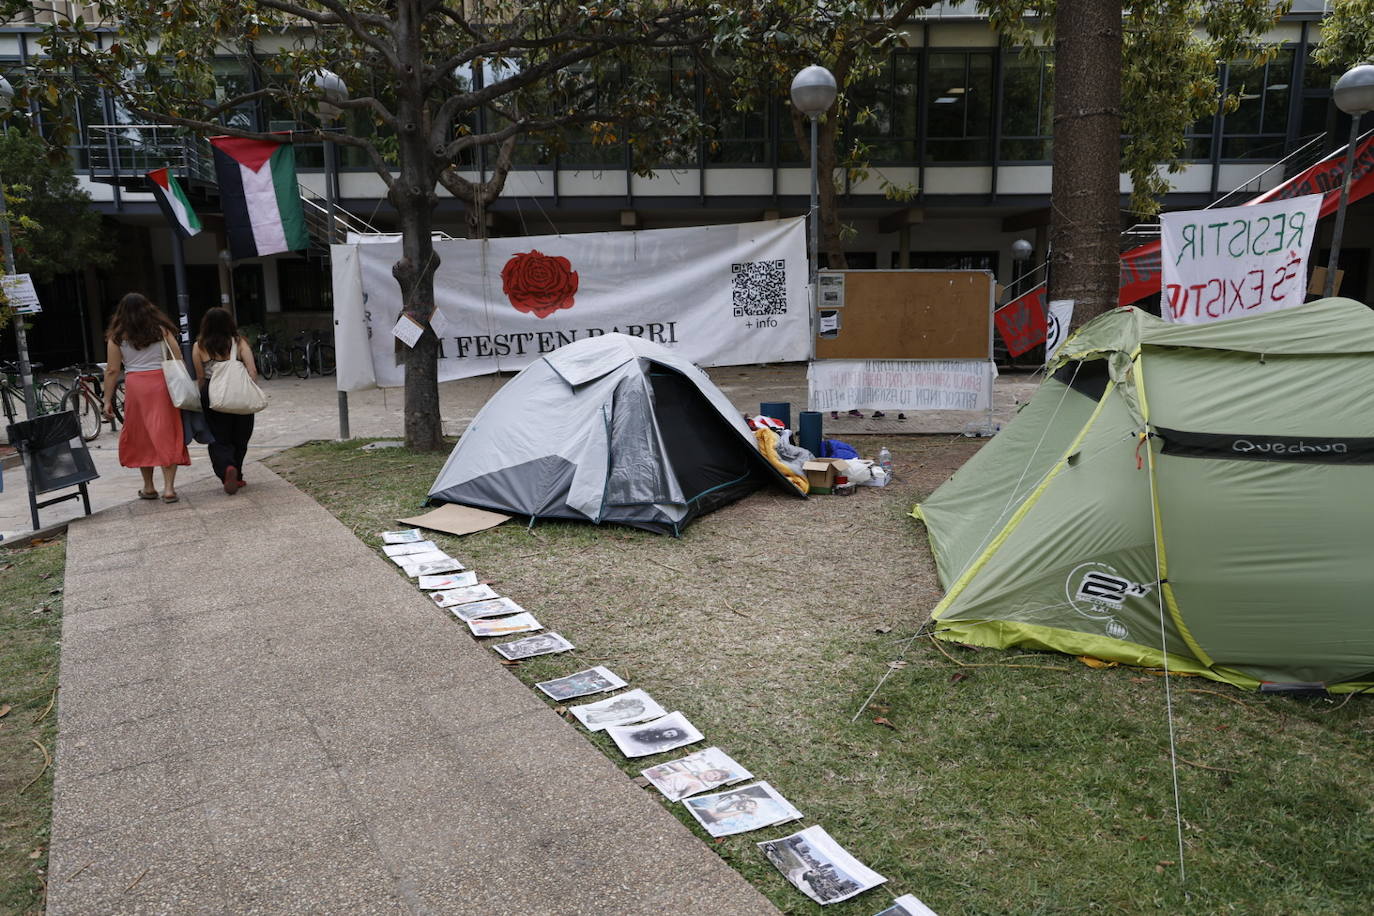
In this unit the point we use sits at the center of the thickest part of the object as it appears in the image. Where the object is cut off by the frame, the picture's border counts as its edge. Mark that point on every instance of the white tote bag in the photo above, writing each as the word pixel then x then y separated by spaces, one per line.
pixel 183 389
pixel 231 390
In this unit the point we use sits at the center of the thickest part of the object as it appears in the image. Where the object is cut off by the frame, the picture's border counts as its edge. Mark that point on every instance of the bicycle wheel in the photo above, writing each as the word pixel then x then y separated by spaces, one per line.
pixel 52 396
pixel 324 359
pixel 300 364
pixel 267 364
pixel 7 403
pixel 118 406
pixel 88 412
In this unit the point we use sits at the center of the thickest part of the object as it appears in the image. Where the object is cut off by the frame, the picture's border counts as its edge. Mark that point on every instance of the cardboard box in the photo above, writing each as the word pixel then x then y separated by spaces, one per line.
pixel 820 473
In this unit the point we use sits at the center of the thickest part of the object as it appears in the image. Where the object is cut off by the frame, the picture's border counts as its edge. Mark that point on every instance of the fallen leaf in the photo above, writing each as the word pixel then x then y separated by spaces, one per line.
pixel 37 853
pixel 957 677
pixel 1140 680
pixel 560 710
pixel 879 720
pixel 1159 869
pixel 1167 863
pixel 896 666
pixel 1095 662
pixel 879 707
pixel 5 710
pixel 510 662
pixel 883 629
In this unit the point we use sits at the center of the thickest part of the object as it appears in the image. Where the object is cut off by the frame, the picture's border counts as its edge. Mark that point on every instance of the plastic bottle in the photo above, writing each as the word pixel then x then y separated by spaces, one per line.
pixel 885 461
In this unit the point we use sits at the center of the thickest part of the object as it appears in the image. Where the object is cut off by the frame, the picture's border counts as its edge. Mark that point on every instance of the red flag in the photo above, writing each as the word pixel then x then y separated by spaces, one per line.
pixel 1021 321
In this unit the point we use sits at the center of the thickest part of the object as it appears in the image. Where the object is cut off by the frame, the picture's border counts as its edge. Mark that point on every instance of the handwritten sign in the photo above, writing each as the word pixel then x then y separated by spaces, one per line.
pixel 23 298
pixel 1238 261
pixel 900 384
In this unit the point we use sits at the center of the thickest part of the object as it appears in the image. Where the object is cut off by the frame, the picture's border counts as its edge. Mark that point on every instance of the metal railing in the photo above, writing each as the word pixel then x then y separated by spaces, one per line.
pixel 133 149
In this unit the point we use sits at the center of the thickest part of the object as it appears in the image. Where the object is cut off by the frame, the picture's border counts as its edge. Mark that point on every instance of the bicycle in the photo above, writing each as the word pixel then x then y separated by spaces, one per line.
pixel 86 399
pixel 265 355
pixel 49 394
pixel 311 354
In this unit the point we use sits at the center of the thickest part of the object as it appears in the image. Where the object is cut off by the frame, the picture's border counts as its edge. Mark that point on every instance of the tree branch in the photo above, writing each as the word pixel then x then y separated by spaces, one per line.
pixel 344 16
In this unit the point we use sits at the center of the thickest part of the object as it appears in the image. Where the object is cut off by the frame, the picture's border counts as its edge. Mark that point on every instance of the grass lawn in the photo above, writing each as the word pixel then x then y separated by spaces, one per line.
pixel 995 782
pixel 30 626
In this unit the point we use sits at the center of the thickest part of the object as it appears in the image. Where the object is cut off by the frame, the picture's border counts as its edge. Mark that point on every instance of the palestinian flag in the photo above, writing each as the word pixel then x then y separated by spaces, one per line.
pixel 259 196
pixel 172 199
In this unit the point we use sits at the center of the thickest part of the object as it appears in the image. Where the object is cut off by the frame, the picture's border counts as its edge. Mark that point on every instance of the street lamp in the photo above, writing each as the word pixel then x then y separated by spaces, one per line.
pixel 1354 95
pixel 813 92
pixel 331 90
pixel 1021 251
pixel 21 339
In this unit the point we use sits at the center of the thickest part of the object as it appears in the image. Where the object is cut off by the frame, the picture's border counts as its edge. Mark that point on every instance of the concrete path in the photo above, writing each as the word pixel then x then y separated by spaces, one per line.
pixel 259 715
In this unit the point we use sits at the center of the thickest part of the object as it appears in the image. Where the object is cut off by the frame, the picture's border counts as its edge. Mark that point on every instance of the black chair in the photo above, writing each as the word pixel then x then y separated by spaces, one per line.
pixel 55 457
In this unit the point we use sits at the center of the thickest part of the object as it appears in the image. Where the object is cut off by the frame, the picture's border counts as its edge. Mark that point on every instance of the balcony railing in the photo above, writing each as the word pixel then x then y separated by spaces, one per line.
pixel 122 152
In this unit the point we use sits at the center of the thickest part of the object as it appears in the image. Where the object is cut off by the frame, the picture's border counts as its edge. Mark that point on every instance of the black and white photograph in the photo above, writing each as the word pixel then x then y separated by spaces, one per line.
pixel 432 565
pixel 907 905
pixel 699 772
pixel 741 810
pixel 819 867
pixel 410 549
pixel 505 626
pixel 530 646
pixel 455 596
pixel 664 734
pixel 492 607
pixel 455 580
pixel 581 684
pixel 406 560
pixel 633 706
pixel 404 536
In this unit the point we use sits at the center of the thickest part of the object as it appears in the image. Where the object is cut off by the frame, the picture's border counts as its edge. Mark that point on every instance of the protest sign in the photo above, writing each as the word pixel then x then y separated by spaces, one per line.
pixel 1238 261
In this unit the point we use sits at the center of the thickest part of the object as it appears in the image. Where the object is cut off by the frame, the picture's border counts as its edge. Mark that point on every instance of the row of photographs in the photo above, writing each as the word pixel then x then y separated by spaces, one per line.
pixel 810 859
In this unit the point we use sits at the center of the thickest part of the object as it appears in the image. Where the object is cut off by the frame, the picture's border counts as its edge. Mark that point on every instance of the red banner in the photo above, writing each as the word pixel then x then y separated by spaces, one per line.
pixel 1021 322
pixel 1140 267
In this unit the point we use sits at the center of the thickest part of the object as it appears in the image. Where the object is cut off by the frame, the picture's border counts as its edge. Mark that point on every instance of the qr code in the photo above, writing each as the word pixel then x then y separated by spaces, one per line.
pixel 759 288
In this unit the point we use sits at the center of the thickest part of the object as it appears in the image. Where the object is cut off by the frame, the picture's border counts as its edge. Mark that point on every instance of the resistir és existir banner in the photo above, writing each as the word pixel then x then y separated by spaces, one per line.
pixel 1236 261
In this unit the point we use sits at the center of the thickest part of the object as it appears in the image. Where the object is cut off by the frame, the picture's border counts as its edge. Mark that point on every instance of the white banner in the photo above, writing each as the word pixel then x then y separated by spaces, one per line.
pixel 901 384
pixel 717 295
pixel 1058 317
pixel 1237 261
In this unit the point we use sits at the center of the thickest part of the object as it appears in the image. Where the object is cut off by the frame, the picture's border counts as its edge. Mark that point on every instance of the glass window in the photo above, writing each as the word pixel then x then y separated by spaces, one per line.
pixel 889 99
pixel 1258 128
pixel 958 101
pixel 1027 107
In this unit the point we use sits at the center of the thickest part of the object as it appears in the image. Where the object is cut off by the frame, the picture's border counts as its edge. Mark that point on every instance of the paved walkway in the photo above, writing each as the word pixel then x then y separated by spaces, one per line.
pixel 258 715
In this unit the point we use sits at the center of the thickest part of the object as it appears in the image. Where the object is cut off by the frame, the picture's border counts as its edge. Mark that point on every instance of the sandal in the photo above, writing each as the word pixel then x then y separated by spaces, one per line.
pixel 170 499
pixel 144 494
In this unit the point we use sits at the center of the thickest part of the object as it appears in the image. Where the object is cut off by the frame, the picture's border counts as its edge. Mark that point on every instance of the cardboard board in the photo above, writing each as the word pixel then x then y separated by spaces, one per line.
pixel 451 518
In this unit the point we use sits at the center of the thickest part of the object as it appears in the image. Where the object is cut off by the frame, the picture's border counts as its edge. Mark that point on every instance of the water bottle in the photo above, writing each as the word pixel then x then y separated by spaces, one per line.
pixel 885 461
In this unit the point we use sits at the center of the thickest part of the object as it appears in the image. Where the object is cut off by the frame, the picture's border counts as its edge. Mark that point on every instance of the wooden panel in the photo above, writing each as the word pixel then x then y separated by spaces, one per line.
pixel 912 314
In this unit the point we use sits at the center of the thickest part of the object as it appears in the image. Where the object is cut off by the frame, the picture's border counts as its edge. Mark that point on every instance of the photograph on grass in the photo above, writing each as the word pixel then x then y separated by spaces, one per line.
pixel 907 905
pixel 530 646
pixel 819 867
pixel 581 684
pixel 405 560
pixel 454 580
pixel 741 810
pixel 404 536
pixel 634 706
pixel 699 772
pixel 664 734
pixel 504 626
pixel 467 595
pixel 411 548
pixel 493 607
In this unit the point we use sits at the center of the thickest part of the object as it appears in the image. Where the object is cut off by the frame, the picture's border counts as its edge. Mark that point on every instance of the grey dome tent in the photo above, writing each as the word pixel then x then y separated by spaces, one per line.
pixel 607 429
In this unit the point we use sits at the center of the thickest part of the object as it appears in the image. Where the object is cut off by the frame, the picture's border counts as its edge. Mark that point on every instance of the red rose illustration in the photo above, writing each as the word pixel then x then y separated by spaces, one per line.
pixel 535 282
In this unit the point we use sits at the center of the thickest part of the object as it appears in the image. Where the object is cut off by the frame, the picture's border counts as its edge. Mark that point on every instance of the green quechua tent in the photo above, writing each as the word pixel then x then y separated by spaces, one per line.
pixel 1201 490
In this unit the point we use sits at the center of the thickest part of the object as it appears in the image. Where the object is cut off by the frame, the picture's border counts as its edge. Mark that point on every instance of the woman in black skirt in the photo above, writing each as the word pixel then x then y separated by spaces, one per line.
pixel 218 334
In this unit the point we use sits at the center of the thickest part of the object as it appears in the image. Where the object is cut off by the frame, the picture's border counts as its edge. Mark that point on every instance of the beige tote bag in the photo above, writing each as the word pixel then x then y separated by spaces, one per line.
pixel 183 389
pixel 231 390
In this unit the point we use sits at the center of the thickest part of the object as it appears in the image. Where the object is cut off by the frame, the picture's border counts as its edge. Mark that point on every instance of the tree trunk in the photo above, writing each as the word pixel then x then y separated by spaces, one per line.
pixel 1085 227
pixel 414 196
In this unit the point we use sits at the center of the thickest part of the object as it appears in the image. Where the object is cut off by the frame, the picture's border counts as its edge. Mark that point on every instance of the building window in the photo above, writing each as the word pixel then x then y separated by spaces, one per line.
pixel 1258 128
pixel 884 110
pixel 958 101
pixel 1027 107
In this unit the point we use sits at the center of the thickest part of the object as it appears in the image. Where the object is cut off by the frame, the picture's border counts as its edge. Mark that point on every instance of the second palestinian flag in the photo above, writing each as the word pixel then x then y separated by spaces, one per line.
pixel 172 199
pixel 259 196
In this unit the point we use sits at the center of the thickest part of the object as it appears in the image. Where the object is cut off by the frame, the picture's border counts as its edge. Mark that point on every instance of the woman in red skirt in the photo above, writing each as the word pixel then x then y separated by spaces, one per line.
pixel 151 438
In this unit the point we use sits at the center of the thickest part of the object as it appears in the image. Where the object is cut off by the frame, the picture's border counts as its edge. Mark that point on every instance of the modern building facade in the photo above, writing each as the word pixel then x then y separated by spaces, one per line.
pixel 959 116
